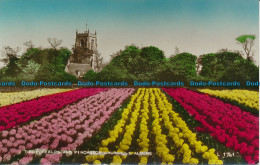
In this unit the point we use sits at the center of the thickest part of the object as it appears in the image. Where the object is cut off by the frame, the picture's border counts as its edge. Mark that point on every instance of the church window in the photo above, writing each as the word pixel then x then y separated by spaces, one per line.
pixel 92 44
pixel 82 43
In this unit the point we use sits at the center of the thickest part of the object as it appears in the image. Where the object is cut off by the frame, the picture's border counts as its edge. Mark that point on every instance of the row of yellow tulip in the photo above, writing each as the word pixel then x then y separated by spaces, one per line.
pixel 160 139
pixel 180 133
pixel 129 130
pixel 243 97
pixel 182 144
pixel 143 140
pixel 16 97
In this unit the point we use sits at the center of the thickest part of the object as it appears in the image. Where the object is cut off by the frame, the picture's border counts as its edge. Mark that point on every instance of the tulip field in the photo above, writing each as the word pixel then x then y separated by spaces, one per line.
pixel 129 126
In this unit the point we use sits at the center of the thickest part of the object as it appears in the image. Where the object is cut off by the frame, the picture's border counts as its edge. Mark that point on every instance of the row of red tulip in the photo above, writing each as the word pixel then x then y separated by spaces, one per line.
pixel 228 124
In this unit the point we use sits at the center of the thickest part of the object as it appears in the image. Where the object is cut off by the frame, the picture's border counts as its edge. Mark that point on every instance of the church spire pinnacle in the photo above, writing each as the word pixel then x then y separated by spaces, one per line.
pixel 86 25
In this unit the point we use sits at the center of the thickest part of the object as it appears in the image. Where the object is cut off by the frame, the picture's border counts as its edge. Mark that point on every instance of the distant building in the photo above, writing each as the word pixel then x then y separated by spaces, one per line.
pixel 84 56
pixel 199 65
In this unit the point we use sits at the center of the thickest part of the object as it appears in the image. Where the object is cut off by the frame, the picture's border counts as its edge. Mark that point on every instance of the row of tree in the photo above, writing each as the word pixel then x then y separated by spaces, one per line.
pixel 150 64
pixel 132 64
pixel 36 65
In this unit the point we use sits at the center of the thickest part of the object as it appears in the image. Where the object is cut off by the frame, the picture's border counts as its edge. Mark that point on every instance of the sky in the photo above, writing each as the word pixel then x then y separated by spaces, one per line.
pixel 194 26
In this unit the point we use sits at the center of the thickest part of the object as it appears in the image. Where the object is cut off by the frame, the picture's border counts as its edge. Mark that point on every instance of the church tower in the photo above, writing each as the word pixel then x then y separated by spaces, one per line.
pixel 84 56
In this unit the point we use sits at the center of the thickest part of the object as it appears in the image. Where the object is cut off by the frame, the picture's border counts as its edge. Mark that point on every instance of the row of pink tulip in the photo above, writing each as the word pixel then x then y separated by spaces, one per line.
pixel 65 130
pixel 13 115
pixel 227 123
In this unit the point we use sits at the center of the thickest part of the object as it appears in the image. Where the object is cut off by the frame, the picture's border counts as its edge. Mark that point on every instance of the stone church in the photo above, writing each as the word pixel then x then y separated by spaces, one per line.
pixel 84 55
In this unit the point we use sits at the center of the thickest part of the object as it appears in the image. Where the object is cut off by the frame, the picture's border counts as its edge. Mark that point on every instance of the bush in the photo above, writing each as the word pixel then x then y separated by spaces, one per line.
pixel 90 76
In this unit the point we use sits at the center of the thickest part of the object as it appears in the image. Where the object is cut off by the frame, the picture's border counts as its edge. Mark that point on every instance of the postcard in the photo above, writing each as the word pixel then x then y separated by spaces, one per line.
pixel 129 82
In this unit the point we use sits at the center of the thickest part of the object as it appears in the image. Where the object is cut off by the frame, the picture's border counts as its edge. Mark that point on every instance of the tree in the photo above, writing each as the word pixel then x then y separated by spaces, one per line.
pixel 177 51
pixel 54 42
pixel 9 53
pixel 10 60
pixel 115 54
pixel 247 42
pixel 215 64
pixel 152 53
pixel 223 50
pixel 149 60
pixel 29 45
pixel 181 67
pixel 31 69
pixel 241 71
